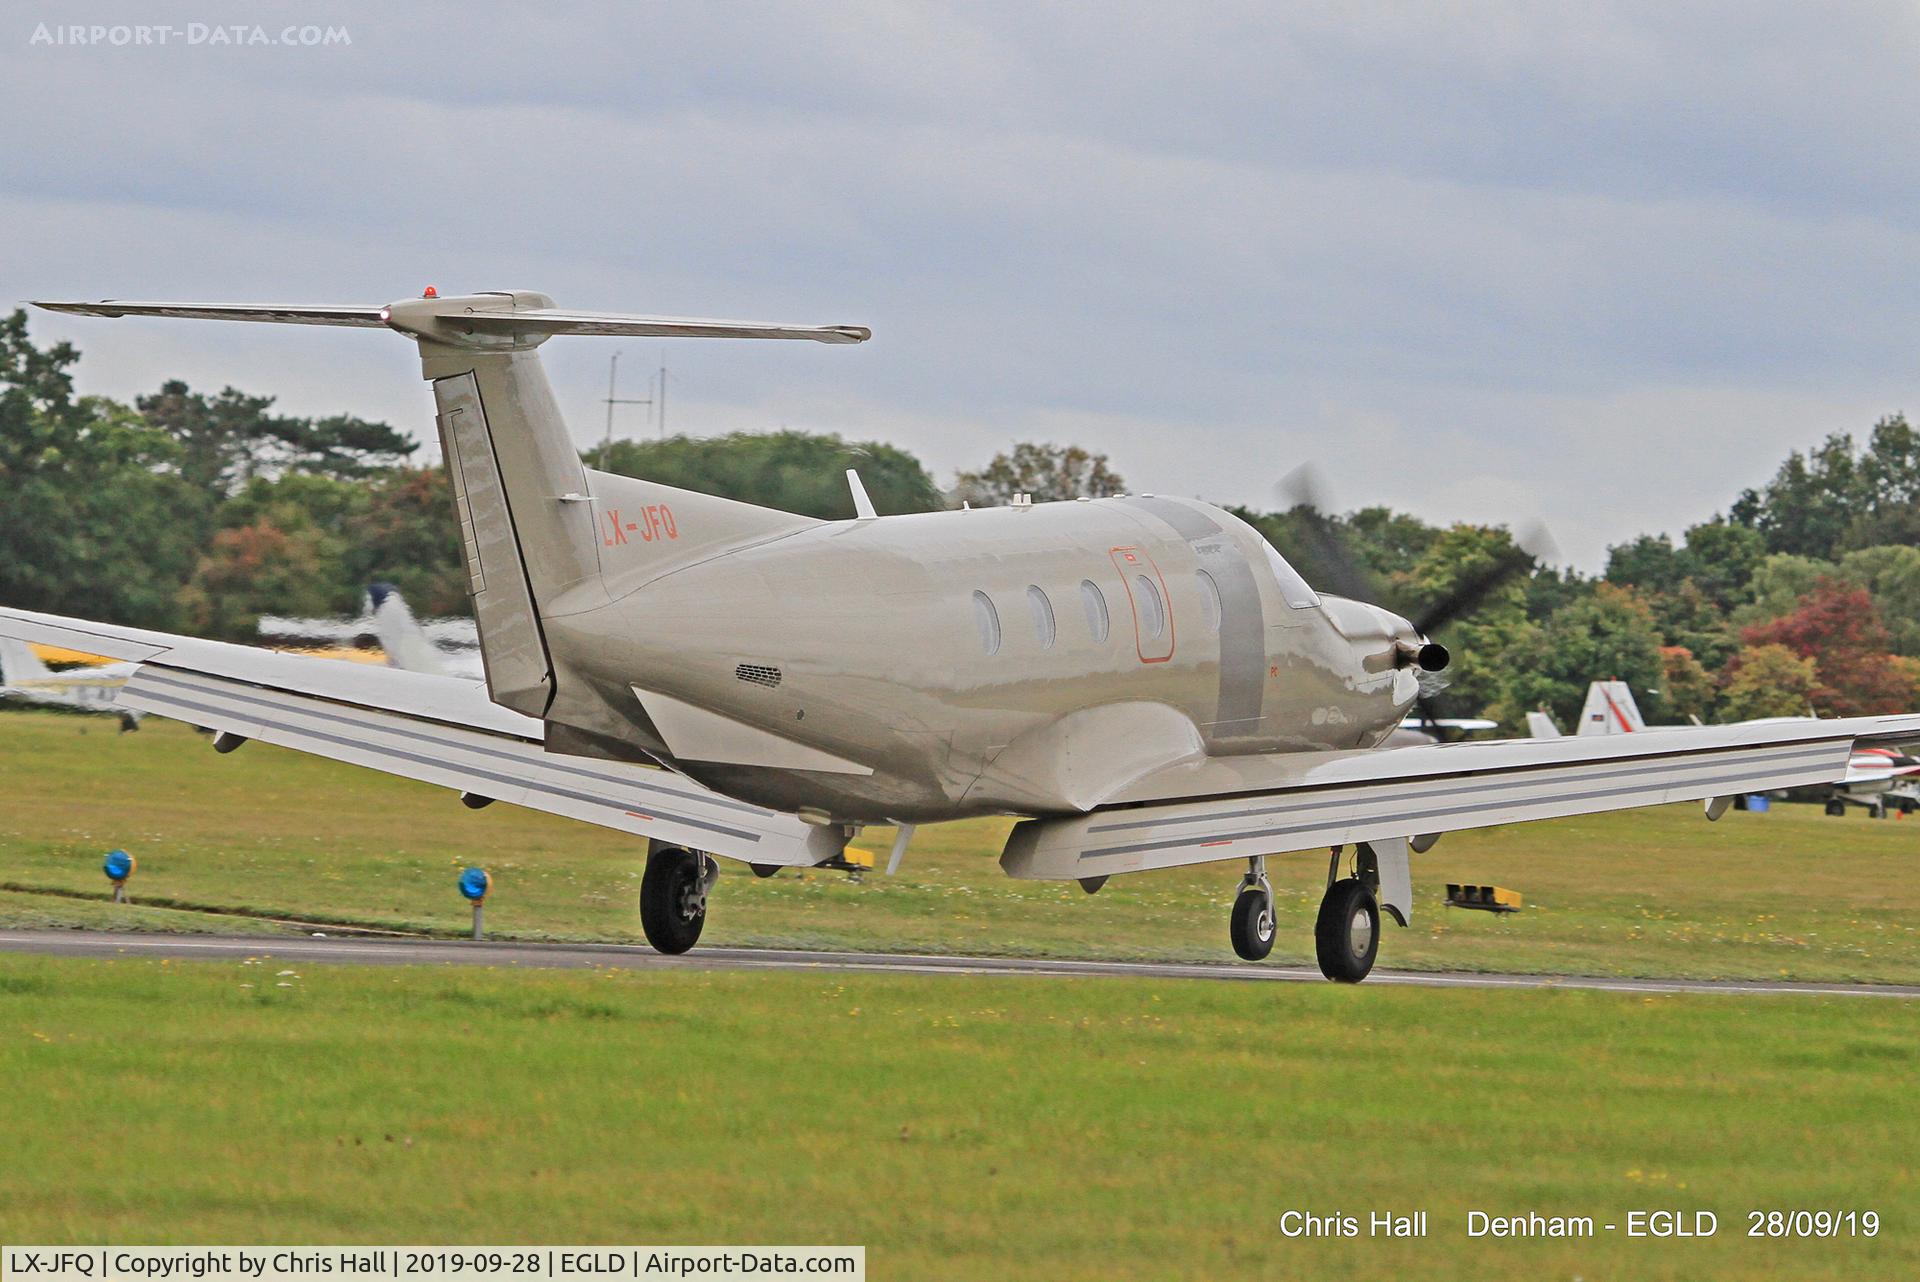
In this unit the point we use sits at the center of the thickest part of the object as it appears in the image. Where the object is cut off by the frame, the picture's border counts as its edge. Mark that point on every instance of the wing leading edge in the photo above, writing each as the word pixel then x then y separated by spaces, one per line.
pixel 1337 799
pixel 438 730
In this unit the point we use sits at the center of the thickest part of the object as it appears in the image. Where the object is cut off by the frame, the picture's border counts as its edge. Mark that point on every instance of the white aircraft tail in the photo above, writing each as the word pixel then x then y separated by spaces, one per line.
pixel 400 634
pixel 1540 725
pixel 1610 709
pixel 18 662
pixel 543 536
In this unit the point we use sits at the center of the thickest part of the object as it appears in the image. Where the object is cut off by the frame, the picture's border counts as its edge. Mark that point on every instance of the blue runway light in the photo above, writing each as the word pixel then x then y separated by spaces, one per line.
pixel 119 865
pixel 474 884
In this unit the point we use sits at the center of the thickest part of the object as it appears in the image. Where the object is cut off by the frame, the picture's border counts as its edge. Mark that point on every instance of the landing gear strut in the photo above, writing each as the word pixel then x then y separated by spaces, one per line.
pixel 1252 922
pixel 673 897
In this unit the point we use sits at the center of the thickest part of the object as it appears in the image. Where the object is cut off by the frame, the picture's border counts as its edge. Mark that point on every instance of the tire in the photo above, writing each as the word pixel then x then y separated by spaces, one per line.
pixel 1252 924
pixel 671 884
pixel 1347 935
pixel 1837 808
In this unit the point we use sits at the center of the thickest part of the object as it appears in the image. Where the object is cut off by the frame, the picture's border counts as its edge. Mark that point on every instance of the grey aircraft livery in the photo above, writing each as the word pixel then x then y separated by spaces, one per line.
pixel 1142 680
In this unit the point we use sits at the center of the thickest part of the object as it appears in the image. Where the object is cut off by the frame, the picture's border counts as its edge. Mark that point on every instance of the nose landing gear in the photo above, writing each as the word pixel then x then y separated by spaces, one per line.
pixel 673 897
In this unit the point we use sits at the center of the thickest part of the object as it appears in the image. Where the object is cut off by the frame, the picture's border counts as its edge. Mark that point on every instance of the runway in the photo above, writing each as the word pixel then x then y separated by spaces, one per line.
pixel 434 952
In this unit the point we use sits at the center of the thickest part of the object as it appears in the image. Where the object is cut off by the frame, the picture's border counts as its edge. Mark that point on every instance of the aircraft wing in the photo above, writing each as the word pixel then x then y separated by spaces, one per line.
pixel 439 730
pixel 1235 807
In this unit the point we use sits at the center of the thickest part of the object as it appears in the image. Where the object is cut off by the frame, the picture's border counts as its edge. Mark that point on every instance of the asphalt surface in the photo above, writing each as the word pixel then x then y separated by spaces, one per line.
pixel 432 952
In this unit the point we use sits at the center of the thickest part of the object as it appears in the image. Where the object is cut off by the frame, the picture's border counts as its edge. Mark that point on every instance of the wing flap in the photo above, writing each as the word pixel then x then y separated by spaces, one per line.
pixel 1410 791
pixel 637 799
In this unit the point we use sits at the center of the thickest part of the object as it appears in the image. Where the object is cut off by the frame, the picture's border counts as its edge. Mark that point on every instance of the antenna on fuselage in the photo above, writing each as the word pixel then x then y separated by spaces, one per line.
pixel 862 505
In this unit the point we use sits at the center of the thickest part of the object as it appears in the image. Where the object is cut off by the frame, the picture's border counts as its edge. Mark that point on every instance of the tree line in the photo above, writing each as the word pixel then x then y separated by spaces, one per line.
pixel 197 512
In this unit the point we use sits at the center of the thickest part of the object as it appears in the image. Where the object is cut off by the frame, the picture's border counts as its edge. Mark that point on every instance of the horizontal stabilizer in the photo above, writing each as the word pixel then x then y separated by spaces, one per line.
pixel 278 313
pixel 491 314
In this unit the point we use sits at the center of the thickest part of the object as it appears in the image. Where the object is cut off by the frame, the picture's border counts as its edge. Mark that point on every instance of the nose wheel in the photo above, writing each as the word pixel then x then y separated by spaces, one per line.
pixel 1252 922
pixel 673 897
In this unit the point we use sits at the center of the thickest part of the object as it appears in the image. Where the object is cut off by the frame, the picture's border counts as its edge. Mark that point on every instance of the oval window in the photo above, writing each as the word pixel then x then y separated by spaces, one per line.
pixel 1153 614
pixel 1095 603
pixel 1210 600
pixel 1043 630
pixel 988 620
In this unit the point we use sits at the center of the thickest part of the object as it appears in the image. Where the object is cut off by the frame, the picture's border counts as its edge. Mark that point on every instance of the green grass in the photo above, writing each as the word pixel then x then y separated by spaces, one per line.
pixel 269 832
pixel 960 1128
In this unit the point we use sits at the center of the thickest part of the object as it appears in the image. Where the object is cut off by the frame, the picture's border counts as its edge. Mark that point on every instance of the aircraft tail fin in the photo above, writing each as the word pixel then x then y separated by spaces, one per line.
pixel 1610 709
pixel 400 634
pixel 18 662
pixel 533 526
pixel 1540 725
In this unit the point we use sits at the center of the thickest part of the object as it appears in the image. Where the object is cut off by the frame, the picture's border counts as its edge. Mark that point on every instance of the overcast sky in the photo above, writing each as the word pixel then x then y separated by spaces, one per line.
pixel 1600 264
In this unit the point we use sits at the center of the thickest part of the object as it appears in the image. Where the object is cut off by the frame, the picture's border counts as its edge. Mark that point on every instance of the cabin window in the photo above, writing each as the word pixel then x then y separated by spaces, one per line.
pixel 1095 604
pixel 1153 611
pixel 1043 629
pixel 1209 600
pixel 1293 589
pixel 988 620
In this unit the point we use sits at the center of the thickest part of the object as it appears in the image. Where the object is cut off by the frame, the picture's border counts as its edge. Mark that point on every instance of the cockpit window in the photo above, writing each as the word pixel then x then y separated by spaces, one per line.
pixel 1293 589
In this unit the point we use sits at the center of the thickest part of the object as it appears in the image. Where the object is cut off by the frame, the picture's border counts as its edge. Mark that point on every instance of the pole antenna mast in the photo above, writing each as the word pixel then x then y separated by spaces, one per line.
pixel 614 398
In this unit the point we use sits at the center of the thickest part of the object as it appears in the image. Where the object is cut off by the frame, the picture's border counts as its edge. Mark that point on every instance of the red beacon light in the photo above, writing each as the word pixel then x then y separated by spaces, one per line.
pixel 430 292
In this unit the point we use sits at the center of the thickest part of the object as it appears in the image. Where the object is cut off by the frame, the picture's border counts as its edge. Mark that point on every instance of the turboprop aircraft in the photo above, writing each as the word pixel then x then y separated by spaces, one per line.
pixel 1142 680
pixel 91 689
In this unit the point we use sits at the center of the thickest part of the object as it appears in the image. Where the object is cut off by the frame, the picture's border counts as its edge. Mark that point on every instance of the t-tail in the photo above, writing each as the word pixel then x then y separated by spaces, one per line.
pixel 534 520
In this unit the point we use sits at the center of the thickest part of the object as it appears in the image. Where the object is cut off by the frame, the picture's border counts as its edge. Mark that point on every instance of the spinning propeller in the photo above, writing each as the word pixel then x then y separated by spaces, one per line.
pixel 1345 575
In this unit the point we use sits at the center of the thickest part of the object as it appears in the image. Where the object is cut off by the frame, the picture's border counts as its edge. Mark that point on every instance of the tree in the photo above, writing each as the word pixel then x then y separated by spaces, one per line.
pixel 405 534
pixel 1648 563
pixel 1047 472
pixel 1768 681
pixel 1720 557
pixel 259 569
pixel 1685 687
pixel 1778 584
pixel 1837 626
pixel 88 524
pixel 1608 635
pixel 1811 502
pixel 226 440
pixel 1891 576
pixel 793 471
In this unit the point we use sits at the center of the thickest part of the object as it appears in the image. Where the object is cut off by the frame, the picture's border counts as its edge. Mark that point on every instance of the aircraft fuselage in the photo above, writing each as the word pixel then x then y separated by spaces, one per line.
pixel 1016 659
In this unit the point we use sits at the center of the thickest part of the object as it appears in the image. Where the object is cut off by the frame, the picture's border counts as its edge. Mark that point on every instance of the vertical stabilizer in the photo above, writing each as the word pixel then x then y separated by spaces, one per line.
pixel 18 662
pixel 1610 709
pixel 401 637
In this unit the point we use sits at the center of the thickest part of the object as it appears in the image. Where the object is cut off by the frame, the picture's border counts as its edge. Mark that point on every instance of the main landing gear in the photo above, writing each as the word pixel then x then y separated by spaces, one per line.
pixel 1252 923
pixel 1346 936
pixel 673 897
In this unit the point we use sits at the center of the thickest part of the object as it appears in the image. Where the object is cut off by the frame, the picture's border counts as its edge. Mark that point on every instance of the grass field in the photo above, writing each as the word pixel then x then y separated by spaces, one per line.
pixel 269 832
pixel 959 1128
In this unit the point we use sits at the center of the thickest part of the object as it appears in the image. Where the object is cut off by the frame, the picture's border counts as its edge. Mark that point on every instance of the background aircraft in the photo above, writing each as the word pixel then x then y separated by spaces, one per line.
pixel 1875 778
pixel 1143 679
pixel 91 689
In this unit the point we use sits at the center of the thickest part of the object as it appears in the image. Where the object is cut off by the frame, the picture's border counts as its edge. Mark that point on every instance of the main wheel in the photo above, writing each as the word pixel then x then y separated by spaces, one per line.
pixel 1347 936
pixel 1836 807
pixel 1252 924
pixel 673 899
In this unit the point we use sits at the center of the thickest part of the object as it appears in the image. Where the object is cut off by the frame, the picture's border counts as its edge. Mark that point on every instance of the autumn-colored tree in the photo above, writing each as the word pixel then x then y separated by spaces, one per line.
pixel 1768 681
pixel 1837 626
pixel 260 569
pixel 1686 688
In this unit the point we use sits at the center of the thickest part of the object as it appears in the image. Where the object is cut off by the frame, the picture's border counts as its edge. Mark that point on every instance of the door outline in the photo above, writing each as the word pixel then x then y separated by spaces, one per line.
pixel 1131 560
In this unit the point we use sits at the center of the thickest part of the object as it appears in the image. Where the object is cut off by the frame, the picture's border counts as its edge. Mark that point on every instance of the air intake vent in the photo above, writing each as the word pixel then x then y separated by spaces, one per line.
pixel 758 674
